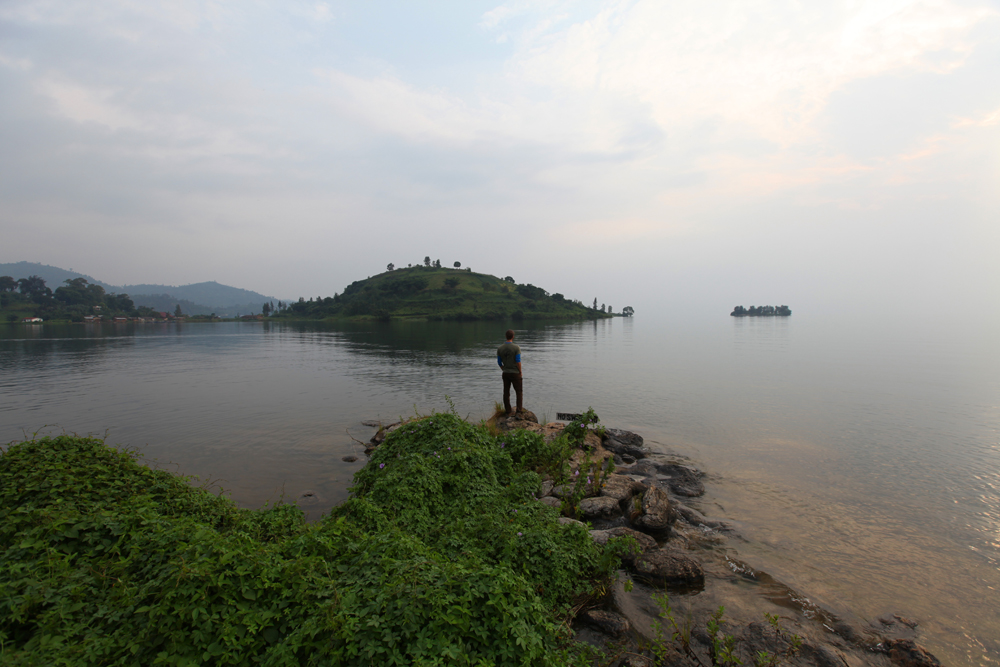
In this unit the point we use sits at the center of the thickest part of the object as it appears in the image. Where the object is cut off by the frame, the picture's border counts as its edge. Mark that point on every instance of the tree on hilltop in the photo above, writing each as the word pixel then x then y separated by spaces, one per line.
pixel 458 265
pixel 427 260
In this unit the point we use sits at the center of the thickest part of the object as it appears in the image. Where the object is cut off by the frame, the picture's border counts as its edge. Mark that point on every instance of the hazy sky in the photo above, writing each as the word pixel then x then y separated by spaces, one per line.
pixel 652 154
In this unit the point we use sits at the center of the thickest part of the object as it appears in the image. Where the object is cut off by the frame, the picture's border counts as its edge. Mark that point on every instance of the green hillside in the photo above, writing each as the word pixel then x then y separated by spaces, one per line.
pixel 422 292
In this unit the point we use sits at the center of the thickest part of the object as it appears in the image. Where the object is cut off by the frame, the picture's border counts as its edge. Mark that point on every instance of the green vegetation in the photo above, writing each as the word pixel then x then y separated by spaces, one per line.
pixel 76 299
pixel 431 292
pixel 723 649
pixel 441 556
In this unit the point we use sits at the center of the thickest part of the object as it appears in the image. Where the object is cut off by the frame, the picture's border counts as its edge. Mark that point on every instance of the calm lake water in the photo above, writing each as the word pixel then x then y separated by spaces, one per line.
pixel 860 461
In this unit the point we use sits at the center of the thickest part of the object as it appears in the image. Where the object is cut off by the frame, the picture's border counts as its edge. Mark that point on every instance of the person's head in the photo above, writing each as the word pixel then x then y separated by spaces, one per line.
pixel 510 334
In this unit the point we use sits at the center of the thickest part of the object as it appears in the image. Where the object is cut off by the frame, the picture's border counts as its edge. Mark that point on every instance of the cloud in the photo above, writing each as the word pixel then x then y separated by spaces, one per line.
pixel 656 126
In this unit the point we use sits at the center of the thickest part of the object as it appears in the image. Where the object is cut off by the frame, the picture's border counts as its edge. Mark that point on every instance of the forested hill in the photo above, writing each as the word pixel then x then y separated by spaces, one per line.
pixel 423 292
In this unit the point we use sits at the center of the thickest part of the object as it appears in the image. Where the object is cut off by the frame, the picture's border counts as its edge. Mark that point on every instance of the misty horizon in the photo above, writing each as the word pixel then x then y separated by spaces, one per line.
pixel 663 157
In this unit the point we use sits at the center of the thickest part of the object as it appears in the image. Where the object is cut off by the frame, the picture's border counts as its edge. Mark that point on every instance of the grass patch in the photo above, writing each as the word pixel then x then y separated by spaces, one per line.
pixel 441 556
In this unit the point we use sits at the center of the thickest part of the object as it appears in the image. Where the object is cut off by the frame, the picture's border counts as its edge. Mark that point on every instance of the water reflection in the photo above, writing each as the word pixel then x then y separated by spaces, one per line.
pixel 863 463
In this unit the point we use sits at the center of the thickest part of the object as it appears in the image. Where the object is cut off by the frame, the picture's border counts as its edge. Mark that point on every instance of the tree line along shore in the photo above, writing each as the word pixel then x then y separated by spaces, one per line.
pixel 419 292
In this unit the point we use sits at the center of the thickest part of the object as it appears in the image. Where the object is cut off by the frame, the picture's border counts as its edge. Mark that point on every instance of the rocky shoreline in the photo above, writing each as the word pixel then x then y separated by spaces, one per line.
pixel 630 490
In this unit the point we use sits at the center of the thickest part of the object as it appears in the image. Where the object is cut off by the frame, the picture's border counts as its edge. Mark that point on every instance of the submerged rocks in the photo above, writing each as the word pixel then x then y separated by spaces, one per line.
pixel 682 480
pixel 905 653
pixel 668 567
pixel 654 514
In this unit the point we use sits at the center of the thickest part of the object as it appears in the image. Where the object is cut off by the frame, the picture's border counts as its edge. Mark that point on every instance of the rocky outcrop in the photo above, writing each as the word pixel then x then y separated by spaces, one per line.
pixel 682 480
pixel 653 514
pixel 668 567
pixel 520 419
pixel 600 507
pixel 621 488
pixel 906 653
pixel 624 443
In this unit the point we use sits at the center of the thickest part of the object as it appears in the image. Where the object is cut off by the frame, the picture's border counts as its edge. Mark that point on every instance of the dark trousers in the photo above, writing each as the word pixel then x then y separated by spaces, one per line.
pixel 508 380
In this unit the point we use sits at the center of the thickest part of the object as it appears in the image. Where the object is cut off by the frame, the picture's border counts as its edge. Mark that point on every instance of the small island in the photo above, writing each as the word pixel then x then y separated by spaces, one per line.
pixel 761 311
pixel 432 292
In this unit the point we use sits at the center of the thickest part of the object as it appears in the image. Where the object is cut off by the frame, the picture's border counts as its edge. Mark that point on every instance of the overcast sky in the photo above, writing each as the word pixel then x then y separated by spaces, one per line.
pixel 654 154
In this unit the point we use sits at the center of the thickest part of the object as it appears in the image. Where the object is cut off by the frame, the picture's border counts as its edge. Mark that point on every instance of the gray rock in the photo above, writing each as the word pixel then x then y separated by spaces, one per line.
pixel 607 622
pixel 645 541
pixel 624 437
pixel 624 443
pixel 696 518
pixel 562 491
pixel 905 653
pixel 655 514
pixel 635 660
pixel 547 487
pixel 600 536
pixel 601 507
pixel 682 480
pixel 620 487
pixel 645 467
pixel 551 501
pixel 667 567
pixel 566 521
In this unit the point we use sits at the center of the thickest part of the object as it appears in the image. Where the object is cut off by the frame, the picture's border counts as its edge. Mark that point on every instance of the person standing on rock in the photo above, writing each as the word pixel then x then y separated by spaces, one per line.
pixel 509 359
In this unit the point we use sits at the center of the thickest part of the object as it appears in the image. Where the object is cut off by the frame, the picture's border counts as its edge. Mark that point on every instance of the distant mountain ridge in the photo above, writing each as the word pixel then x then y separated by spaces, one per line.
pixel 195 299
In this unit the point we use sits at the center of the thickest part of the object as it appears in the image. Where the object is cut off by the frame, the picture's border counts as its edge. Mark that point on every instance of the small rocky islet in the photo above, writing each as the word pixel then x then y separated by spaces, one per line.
pixel 636 491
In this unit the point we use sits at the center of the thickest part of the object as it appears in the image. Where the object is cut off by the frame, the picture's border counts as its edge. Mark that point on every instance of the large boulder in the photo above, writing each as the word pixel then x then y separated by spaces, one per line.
pixel 621 488
pixel 668 567
pixel 645 468
pixel 601 507
pixel 624 443
pixel 654 514
pixel 552 502
pixel 520 419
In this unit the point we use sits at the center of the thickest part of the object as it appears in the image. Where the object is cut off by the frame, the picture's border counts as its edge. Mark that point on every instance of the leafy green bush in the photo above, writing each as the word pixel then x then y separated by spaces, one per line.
pixel 441 556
